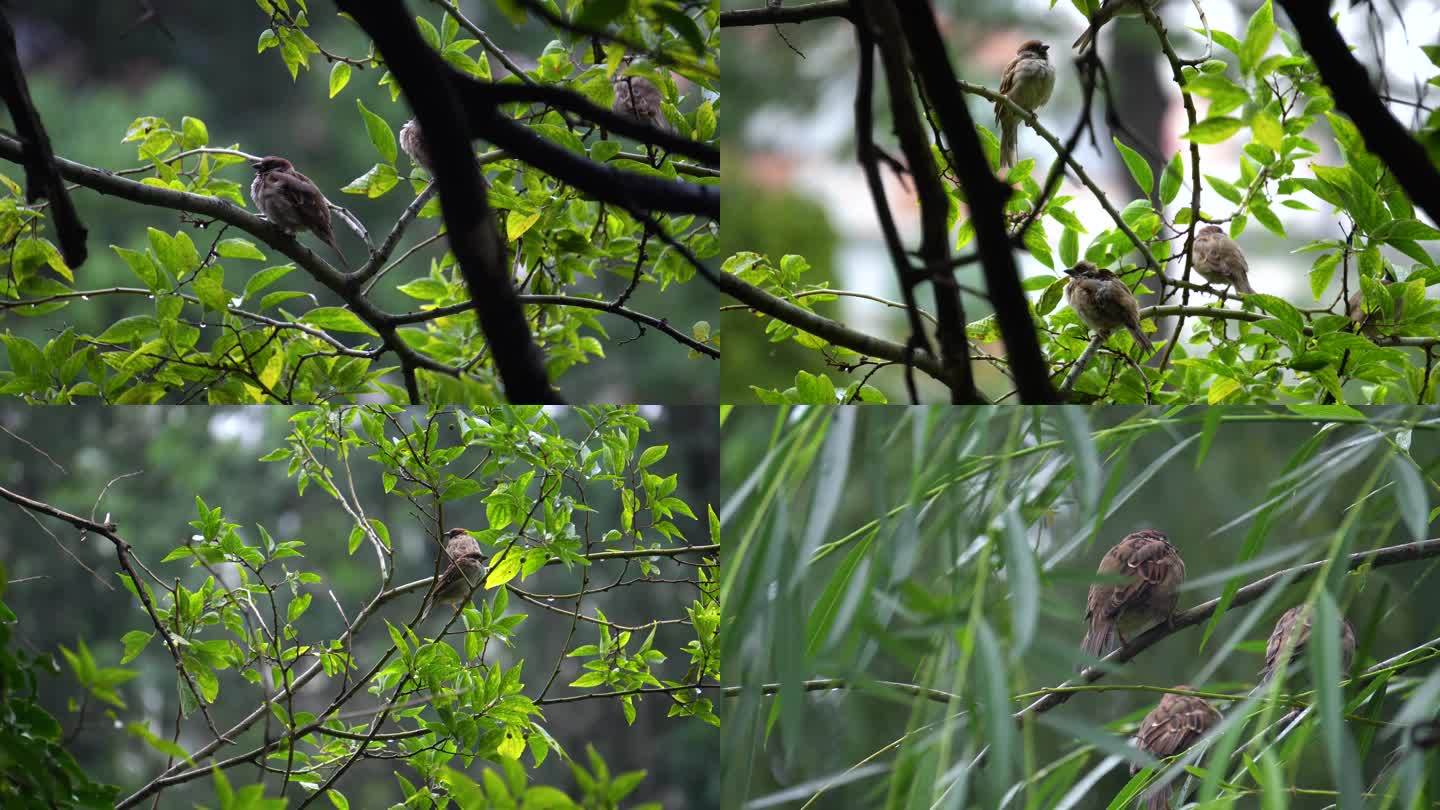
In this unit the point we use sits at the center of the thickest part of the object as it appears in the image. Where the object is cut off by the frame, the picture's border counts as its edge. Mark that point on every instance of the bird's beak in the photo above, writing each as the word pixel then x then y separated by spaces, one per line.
pixel 1071 272
pixel 255 164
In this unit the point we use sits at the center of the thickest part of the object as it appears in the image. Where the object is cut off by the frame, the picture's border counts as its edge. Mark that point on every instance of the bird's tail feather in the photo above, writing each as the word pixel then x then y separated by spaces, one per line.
pixel 1142 339
pixel 1009 146
pixel 1100 639
pixel 1242 286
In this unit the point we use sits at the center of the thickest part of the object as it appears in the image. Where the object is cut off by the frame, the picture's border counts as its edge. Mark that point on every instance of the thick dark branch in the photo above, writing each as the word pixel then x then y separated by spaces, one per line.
pixel 821 326
pixel 934 204
pixel 792 14
pixel 474 237
pixel 1350 85
pixel 986 195
pixel 42 178
pixel 561 99
pixel 603 182
pixel 869 157
pixel 623 311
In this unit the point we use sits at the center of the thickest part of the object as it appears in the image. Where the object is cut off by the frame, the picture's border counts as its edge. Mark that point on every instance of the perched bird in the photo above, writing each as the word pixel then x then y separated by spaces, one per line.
pixel 414 145
pixel 1027 81
pixel 289 199
pixel 1220 260
pixel 1104 303
pixel 463 573
pixel 1152 570
pixel 1293 629
pixel 1172 728
pixel 1373 321
pixel 1109 10
pixel 637 97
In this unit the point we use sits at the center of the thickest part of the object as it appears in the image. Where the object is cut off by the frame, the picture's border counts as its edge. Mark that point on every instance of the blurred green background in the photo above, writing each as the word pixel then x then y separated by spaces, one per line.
pixel 908 602
pixel 179 453
pixel 93 70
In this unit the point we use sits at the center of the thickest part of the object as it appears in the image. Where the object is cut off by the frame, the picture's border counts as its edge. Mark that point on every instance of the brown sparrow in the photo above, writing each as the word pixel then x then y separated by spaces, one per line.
pixel 1373 321
pixel 1171 728
pixel 289 199
pixel 1109 10
pixel 463 574
pixel 637 97
pixel 413 145
pixel 1104 303
pixel 1293 628
pixel 1153 572
pixel 1027 81
pixel 1219 260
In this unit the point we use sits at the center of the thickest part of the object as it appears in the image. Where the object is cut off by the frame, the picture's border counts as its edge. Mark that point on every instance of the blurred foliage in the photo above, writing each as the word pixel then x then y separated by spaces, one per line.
pixel 155 318
pixel 35 768
pixel 783 222
pixel 935 562
pixel 245 591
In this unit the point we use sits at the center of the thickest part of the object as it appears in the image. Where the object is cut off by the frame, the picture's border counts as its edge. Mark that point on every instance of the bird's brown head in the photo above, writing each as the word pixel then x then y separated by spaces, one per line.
pixel 1084 269
pixel 1035 48
pixel 270 164
pixel 1211 229
pixel 454 533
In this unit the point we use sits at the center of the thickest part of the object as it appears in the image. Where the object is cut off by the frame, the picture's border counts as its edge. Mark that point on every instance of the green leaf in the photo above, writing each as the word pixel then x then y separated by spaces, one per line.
pixel 297 607
pixel 339 77
pixel 1267 131
pixel 209 285
pixel 1410 495
pixel 1258 34
pixel 1038 245
pixel 1022 575
pixel 265 278
pixel 1171 181
pixel 239 249
pixel 337 318
pixel 194 133
pixel 380 133
pixel 1069 247
pixel 599 13
pixel 652 455
pixel 1324 648
pixel 381 178
pixel 1139 168
pixel 134 642
pixel 1214 130
pixel 141 265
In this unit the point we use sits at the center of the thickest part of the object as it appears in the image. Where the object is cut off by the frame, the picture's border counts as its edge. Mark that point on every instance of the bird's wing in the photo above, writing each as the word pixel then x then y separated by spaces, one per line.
pixel 304 195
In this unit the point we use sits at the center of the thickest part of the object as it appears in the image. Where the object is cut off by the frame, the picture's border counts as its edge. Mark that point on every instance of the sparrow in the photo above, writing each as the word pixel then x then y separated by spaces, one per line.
pixel 1104 303
pixel 1027 81
pixel 289 199
pixel 1153 571
pixel 1109 10
pixel 414 145
pixel 1169 729
pixel 463 574
pixel 1371 322
pixel 1293 628
pixel 637 97
pixel 1219 260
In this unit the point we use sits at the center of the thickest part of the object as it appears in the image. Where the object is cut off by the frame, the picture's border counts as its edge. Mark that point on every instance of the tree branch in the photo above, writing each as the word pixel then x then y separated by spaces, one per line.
pixel 1377 558
pixel 42 178
pixel 474 236
pixel 791 14
pixel 986 195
